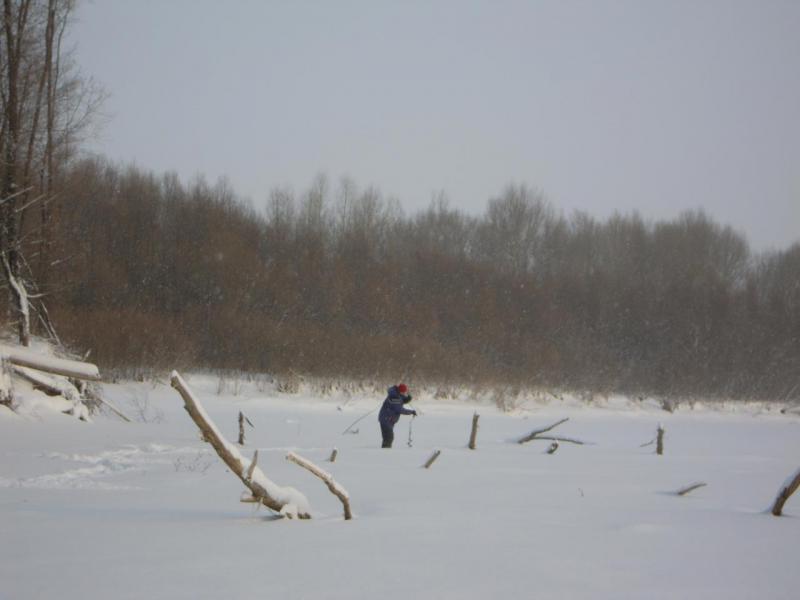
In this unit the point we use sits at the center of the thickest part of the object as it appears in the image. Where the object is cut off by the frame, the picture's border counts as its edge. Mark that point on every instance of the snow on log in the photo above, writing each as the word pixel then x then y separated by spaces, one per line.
pixel 50 364
pixel 788 488
pixel 336 489
pixel 284 500
pixel 474 433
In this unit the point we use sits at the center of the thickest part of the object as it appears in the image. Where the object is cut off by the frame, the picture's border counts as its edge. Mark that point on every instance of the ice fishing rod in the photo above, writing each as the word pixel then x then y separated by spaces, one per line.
pixel 359 419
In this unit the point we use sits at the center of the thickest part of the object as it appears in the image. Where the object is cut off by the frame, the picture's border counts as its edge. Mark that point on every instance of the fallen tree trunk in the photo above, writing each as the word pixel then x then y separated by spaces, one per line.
pixel 49 364
pixel 787 489
pixel 284 500
pixel 327 479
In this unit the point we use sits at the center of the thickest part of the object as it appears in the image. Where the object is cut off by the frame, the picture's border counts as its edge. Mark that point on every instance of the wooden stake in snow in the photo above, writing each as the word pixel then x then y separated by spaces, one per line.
pixel 474 434
pixel 284 500
pixel 660 440
pixel 431 460
pixel 327 479
pixel 334 453
pixel 787 489
pixel 689 488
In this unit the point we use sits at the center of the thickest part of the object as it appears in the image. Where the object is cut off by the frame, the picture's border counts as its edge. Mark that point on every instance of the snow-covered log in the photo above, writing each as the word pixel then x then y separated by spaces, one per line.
pixel 336 489
pixel 474 433
pixel 50 364
pixel 788 488
pixel 284 500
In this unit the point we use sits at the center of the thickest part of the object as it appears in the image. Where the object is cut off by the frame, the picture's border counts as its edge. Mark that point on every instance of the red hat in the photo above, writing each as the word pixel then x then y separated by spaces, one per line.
pixel 402 388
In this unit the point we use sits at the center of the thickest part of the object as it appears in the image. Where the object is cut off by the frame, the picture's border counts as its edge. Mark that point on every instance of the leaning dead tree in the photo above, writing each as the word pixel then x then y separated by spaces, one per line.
pixel 474 433
pixel 336 489
pixel 787 489
pixel 284 500
pixel 537 435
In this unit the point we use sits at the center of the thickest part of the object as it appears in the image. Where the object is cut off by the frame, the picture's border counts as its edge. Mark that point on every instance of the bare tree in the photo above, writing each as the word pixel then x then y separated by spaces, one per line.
pixel 45 107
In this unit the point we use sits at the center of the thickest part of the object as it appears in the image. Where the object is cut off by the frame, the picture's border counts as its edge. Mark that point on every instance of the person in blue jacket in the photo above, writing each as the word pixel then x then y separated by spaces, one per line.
pixel 392 409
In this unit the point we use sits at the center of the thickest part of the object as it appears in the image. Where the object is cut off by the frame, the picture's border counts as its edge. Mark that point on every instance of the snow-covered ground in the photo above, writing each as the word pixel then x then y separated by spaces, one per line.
pixel 146 510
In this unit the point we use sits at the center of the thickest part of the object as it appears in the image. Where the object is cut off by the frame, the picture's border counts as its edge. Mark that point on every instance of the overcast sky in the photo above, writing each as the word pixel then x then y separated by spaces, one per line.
pixel 654 106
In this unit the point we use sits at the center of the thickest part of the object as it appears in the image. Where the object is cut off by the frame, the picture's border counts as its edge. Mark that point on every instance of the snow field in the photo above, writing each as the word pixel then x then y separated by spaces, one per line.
pixel 146 510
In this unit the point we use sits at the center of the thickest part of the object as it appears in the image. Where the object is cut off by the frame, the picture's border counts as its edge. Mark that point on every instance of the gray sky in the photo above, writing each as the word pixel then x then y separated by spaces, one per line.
pixel 655 106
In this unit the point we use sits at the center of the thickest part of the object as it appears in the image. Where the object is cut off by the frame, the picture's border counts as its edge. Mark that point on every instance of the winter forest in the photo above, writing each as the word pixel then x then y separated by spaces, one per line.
pixel 142 270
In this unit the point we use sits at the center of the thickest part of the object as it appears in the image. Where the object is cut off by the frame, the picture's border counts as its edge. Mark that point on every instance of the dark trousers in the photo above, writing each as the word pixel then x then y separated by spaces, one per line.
pixel 387 431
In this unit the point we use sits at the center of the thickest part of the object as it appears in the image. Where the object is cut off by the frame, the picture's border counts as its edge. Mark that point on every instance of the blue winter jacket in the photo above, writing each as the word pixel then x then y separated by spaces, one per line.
pixel 393 407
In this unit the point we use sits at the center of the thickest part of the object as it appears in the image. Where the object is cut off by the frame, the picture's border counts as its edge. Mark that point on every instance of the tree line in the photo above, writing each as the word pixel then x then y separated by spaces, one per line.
pixel 338 281
pixel 146 271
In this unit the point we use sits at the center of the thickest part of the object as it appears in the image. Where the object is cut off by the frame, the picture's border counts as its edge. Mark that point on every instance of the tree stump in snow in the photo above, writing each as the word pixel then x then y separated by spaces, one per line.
pixel 474 433
pixel 787 489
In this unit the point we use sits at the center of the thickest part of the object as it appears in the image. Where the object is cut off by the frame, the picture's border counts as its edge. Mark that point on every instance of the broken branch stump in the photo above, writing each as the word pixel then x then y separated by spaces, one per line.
pixel 327 479
pixel 787 489
pixel 474 434
pixel 431 460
